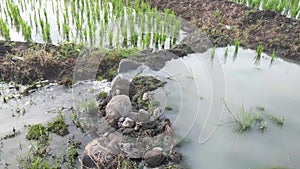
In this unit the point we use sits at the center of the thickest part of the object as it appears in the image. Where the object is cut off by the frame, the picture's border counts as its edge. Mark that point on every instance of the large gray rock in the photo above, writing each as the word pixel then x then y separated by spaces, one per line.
pixel 120 86
pixel 118 106
pixel 154 158
pixel 127 65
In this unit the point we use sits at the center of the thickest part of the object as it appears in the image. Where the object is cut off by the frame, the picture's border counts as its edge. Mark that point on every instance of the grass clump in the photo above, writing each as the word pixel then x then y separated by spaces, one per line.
pixel 246 120
pixel 58 126
pixel 102 95
pixel 36 132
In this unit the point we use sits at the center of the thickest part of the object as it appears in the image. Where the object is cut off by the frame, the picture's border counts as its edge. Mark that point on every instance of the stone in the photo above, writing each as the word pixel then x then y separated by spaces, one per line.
pixel 143 116
pixel 153 158
pixel 128 123
pixel 87 161
pixel 133 115
pixel 98 153
pixel 127 65
pixel 103 127
pixel 126 146
pixel 127 131
pixel 121 119
pixel 158 149
pixel 145 97
pixel 120 86
pixel 118 106
pixel 157 113
pixel 114 147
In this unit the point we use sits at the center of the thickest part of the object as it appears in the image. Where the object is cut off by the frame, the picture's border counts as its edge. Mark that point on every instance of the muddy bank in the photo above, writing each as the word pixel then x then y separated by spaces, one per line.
pixel 26 63
pixel 224 21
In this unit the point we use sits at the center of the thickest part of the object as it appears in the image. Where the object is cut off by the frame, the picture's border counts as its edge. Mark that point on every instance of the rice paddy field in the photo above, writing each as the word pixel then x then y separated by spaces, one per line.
pixel 107 24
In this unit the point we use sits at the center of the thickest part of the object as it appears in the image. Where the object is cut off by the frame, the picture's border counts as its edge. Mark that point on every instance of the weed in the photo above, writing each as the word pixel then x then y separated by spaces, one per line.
pixel 58 126
pixel 37 132
pixel 279 121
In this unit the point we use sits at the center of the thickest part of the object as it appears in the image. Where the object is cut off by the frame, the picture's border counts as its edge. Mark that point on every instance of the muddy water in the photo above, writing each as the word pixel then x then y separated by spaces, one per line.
pixel 41 107
pixel 195 90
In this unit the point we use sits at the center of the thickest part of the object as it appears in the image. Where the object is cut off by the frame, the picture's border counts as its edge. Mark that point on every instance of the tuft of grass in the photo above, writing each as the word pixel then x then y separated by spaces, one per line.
pixel 247 120
pixel 37 132
pixel 58 126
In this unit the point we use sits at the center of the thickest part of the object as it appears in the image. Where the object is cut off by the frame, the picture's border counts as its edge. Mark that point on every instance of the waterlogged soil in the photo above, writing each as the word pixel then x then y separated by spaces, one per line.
pixel 225 21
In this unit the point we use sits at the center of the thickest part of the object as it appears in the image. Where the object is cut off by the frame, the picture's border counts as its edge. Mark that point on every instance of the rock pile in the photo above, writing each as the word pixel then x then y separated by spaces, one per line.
pixel 131 133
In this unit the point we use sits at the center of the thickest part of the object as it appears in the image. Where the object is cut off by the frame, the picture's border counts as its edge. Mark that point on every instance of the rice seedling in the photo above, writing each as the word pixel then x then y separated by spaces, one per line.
pixel 110 37
pixel 163 40
pixel 91 34
pixel 137 6
pixel 283 6
pixel 236 48
pixel 147 40
pixel 294 11
pixel 124 33
pixel 85 33
pixel 259 51
pixel 45 15
pixel 226 54
pixel 66 31
pixel 118 38
pixel 134 39
pixel 156 39
pixel 272 58
pixel 212 55
pixel 84 16
pixel 101 37
pixel 27 33
pixel 106 13
pixel 5 32
pixel 42 24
